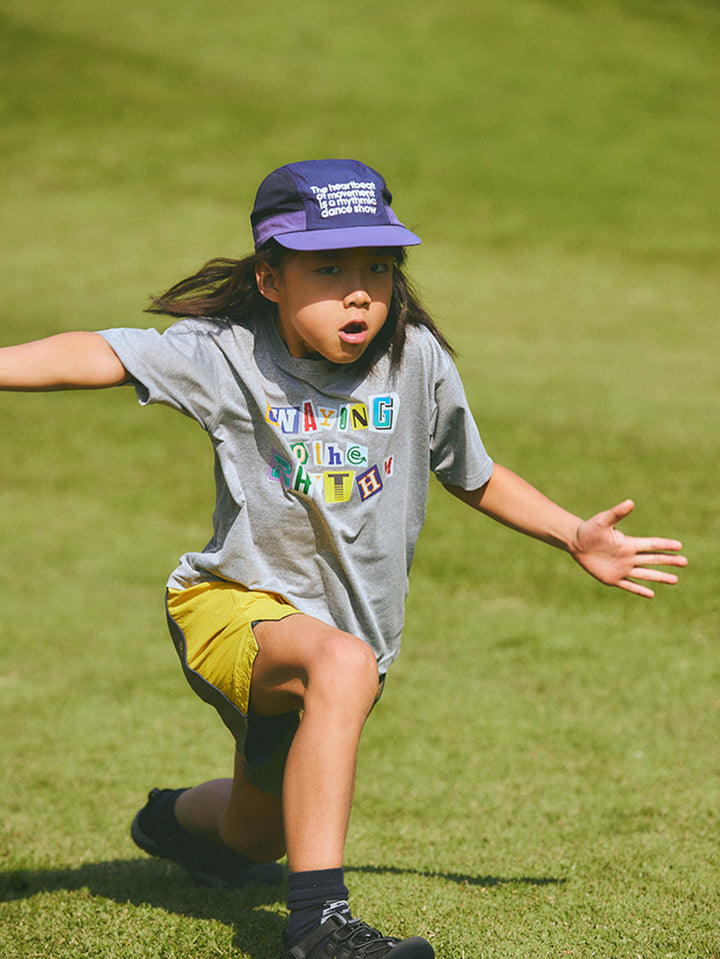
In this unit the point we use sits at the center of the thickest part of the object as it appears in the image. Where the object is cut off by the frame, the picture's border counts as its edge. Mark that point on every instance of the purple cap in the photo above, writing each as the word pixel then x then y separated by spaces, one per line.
pixel 326 205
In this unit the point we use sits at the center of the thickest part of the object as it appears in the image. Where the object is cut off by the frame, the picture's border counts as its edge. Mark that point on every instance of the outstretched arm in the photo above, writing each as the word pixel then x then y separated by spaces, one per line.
pixel 595 544
pixel 67 361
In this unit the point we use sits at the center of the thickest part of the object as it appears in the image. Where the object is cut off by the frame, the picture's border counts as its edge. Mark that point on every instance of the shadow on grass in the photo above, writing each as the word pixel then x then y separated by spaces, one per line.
pixel 148 882
pixel 461 878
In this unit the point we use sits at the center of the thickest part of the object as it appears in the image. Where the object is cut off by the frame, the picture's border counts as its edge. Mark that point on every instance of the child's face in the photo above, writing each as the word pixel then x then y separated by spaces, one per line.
pixel 330 304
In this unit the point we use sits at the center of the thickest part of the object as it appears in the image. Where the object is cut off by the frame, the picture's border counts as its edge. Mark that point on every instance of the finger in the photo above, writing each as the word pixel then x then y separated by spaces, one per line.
pixel 661 559
pixel 615 514
pixel 654 575
pixel 636 588
pixel 623 509
pixel 649 544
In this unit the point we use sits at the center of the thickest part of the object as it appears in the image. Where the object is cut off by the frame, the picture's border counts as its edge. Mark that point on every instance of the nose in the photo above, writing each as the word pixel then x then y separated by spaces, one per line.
pixel 358 298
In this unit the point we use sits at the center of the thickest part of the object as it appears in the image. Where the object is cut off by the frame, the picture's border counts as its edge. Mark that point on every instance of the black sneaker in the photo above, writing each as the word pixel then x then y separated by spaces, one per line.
pixel 156 830
pixel 341 938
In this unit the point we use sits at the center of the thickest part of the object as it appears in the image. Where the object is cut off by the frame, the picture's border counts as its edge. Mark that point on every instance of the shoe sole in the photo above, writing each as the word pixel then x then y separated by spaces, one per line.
pixel 266 873
pixel 413 948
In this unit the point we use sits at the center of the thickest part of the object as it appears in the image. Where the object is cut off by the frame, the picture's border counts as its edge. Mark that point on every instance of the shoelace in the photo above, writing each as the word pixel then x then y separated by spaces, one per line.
pixel 357 938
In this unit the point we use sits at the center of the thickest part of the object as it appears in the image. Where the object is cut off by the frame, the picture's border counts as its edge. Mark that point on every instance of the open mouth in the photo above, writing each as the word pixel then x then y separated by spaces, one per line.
pixel 354 332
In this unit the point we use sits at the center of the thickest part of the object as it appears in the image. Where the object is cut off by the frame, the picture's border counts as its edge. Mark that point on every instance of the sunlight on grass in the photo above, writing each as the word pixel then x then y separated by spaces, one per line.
pixel 540 777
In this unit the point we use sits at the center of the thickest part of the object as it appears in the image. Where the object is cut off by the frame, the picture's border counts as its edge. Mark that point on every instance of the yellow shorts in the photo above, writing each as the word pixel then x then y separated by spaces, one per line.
pixel 211 625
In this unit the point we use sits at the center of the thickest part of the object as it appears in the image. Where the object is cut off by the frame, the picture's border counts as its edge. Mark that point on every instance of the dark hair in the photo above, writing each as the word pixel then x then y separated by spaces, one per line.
pixel 227 289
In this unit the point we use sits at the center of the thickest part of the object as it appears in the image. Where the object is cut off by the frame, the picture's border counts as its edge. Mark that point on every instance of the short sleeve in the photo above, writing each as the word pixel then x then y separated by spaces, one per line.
pixel 180 368
pixel 457 453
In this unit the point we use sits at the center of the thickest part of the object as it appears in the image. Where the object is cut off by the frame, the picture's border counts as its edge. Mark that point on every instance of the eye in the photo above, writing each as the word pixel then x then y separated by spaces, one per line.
pixel 380 268
pixel 328 270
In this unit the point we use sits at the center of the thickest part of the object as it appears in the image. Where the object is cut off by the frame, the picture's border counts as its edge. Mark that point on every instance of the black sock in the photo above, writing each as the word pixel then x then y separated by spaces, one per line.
pixel 162 813
pixel 312 898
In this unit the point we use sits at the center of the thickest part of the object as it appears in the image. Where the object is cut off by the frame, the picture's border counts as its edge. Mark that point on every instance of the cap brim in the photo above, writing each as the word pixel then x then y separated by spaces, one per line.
pixel 348 238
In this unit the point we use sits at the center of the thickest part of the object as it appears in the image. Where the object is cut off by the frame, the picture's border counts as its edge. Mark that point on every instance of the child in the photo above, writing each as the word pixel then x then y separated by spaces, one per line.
pixel 328 395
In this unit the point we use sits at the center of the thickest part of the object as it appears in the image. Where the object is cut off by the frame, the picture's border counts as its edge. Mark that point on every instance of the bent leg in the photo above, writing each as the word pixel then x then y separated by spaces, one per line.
pixel 236 813
pixel 252 822
pixel 333 677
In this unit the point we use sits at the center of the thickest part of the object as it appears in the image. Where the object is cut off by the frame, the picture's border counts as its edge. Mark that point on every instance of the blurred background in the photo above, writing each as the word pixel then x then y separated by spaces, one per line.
pixel 559 158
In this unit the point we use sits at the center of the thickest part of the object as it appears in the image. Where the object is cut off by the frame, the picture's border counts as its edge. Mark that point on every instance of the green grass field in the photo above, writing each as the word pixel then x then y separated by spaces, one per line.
pixel 541 778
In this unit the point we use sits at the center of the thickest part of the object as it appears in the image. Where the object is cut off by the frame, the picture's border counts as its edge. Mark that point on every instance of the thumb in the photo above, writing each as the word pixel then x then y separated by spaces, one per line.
pixel 617 513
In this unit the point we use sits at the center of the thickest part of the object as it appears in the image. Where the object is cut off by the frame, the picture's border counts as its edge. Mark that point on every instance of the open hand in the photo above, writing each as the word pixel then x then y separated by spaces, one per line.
pixel 617 560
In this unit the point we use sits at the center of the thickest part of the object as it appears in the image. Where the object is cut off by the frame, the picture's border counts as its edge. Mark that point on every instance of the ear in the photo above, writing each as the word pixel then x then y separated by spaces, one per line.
pixel 268 281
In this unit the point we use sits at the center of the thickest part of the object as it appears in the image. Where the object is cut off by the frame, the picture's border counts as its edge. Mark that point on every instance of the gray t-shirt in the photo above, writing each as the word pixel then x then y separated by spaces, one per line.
pixel 321 472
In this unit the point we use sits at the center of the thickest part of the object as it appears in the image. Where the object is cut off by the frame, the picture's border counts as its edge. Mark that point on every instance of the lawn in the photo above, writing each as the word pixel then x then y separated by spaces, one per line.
pixel 541 777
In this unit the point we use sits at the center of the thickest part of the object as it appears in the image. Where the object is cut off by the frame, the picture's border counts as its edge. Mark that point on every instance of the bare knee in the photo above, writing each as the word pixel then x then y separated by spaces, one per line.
pixel 302 660
pixel 343 668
